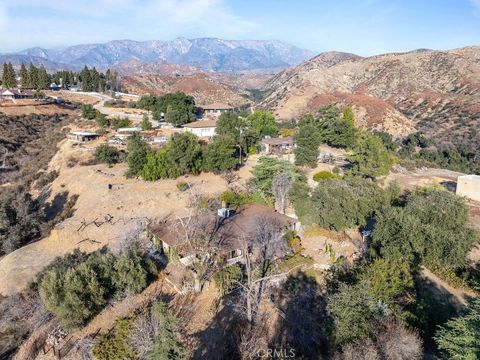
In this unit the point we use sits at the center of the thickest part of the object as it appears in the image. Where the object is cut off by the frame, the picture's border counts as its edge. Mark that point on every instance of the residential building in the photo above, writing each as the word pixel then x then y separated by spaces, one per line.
pixel 215 109
pixel 203 129
pixel 232 231
pixel 17 94
pixel 277 145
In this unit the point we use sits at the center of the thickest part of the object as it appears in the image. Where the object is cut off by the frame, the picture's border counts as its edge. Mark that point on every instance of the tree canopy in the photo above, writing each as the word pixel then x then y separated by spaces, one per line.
pixel 178 107
pixel 432 227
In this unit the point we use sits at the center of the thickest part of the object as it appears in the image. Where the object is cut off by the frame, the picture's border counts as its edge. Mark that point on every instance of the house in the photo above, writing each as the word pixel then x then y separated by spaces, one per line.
pixel 215 109
pixel 55 87
pixel 204 128
pixel 469 186
pixel 232 231
pixel 17 94
pixel 277 145
pixel 82 136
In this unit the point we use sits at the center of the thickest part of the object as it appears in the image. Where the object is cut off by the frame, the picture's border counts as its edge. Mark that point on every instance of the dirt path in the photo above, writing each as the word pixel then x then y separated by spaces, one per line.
pixel 409 180
pixel 459 295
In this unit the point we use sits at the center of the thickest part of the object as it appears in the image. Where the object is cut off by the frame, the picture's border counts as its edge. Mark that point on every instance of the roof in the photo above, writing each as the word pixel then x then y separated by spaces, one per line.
pixel 201 124
pixel 84 133
pixel 229 233
pixel 469 177
pixel 18 92
pixel 278 141
pixel 129 129
pixel 217 106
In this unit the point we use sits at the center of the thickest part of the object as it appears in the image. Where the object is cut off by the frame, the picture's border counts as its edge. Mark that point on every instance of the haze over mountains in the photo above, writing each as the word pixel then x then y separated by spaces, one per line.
pixel 208 54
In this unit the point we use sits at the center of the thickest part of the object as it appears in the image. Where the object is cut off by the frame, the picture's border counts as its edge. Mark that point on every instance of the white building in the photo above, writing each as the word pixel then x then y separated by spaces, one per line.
pixel 469 186
pixel 205 128
pixel 215 109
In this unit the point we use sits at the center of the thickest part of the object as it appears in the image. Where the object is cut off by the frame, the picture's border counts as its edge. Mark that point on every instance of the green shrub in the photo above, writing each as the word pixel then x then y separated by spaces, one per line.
pixel 117 122
pixel 267 168
pixel 102 120
pixel 76 287
pixel 115 344
pixel 354 311
pixel 228 277
pixel 88 111
pixel 325 175
pixel 107 154
pixel 339 204
pixel 137 155
pixel 432 227
pixel 296 260
pixel 459 337
pixel 183 186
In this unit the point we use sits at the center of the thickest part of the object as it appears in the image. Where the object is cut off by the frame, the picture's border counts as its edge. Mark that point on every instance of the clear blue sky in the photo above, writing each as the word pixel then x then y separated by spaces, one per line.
pixel 365 27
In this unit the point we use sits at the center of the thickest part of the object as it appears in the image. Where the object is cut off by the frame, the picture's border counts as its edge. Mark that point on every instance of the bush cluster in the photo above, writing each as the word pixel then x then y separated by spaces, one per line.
pixel 77 286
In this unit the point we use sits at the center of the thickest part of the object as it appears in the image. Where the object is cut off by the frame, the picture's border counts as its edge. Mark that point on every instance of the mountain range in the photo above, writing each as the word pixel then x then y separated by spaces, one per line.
pixel 208 54
pixel 435 92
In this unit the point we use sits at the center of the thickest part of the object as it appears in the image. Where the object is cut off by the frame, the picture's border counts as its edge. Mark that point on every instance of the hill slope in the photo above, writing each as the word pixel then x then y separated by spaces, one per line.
pixel 434 91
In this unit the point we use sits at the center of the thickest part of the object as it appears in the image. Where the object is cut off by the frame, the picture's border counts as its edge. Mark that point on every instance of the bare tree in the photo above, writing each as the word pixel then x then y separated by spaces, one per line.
pixel 253 340
pixel 267 243
pixel 198 231
pixel 280 186
pixel 396 342
pixel 361 350
pixel 143 333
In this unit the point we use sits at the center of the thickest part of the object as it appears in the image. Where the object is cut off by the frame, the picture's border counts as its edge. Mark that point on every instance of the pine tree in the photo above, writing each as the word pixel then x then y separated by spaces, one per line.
pixel 86 79
pixel 23 76
pixel 42 82
pixel 95 80
pixel 146 123
pixel 12 75
pixel 5 75
pixel 9 79
pixel 32 76
pixel 459 338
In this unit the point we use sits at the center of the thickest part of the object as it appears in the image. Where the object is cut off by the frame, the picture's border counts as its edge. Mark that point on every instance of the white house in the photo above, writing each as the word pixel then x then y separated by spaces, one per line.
pixel 205 128
pixel 215 109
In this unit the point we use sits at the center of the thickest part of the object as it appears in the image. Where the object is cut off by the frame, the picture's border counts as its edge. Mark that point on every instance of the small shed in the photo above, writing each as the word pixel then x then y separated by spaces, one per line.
pixel 469 186
pixel 82 136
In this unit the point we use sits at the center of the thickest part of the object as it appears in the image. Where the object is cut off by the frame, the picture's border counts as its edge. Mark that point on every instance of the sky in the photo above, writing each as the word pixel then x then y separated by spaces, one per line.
pixel 364 27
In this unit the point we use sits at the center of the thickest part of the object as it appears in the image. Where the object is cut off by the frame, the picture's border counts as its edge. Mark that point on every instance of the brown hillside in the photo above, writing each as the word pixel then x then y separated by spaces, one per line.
pixel 434 91
pixel 199 85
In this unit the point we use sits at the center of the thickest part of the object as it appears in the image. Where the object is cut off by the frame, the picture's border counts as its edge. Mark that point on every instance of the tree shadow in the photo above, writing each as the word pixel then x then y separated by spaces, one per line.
pixel 304 327
pixel 449 185
pixel 56 206
pixel 219 339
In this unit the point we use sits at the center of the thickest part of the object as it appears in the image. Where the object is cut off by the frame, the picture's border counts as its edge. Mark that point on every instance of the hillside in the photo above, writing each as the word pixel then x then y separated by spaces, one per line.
pixel 435 92
pixel 203 88
pixel 205 53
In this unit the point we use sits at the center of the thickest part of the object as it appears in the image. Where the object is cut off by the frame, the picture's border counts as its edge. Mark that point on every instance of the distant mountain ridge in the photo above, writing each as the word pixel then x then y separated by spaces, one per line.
pixel 209 54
